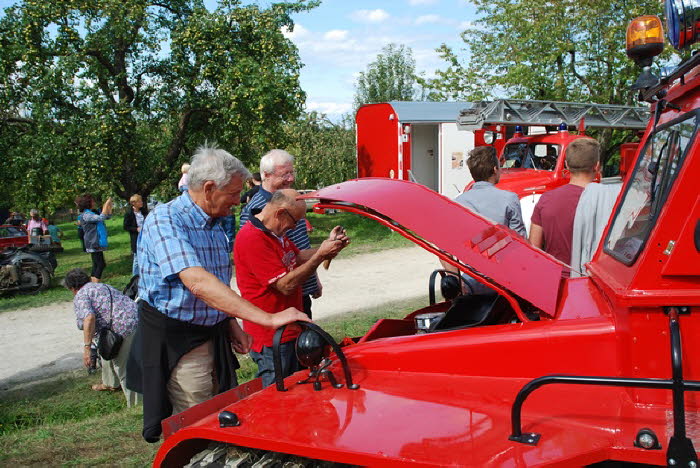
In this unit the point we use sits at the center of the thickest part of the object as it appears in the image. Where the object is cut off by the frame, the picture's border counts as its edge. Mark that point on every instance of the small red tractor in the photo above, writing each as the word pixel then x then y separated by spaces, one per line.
pixel 601 370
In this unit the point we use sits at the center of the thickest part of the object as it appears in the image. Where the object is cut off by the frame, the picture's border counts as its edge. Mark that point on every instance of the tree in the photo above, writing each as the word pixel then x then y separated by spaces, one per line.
pixel 391 77
pixel 113 95
pixel 324 151
pixel 563 50
pixel 570 50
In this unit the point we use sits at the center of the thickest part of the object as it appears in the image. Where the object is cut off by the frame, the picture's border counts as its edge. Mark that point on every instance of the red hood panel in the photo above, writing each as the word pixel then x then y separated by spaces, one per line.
pixel 493 250
pixel 415 419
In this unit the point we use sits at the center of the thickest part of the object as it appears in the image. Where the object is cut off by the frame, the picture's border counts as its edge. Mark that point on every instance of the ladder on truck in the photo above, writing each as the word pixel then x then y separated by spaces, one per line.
pixel 545 113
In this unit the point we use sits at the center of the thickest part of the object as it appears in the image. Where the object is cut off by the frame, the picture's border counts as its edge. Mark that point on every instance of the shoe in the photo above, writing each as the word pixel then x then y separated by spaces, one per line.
pixel 100 387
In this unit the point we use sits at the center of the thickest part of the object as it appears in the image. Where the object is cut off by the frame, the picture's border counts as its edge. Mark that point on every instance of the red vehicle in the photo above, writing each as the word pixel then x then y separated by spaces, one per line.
pixel 420 141
pixel 12 236
pixel 589 371
pixel 534 164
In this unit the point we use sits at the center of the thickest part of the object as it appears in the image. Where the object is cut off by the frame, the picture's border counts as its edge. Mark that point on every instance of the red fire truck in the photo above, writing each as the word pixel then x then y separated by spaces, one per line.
pixel 534 164
pixel 592 371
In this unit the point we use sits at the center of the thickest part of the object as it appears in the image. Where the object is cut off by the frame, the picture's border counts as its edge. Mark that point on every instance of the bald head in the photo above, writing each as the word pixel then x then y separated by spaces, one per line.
pixel 287 198
pixel 283 211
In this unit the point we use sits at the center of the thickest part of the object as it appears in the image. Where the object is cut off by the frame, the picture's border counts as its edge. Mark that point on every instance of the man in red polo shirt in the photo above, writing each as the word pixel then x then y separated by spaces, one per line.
pixel 270 271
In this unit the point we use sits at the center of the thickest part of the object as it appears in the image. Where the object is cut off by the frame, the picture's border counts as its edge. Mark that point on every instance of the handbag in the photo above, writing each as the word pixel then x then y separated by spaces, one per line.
pixel 109 342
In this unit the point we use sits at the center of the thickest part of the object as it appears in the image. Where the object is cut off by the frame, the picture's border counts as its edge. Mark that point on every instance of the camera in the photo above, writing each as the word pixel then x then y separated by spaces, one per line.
pixel 93 359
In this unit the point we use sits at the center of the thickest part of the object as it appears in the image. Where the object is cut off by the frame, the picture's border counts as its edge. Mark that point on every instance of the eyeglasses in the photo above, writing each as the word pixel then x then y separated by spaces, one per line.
pixel 295 221
pixel 286 175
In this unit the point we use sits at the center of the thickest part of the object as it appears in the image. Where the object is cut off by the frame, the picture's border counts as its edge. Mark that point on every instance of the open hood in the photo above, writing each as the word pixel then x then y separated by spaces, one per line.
pixel 446 228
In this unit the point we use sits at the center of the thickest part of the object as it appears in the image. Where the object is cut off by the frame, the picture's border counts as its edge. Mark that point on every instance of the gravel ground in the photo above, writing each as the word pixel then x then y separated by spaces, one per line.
pixel 40 342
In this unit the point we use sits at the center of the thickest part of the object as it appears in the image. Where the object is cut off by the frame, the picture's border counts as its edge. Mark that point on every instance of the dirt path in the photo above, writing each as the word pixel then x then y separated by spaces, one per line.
pixel 43 341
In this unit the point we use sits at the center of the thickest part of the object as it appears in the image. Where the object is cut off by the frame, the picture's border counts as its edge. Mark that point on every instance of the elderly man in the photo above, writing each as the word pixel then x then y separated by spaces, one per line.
pixel 270 271
pixel 277 172
pixel 186 301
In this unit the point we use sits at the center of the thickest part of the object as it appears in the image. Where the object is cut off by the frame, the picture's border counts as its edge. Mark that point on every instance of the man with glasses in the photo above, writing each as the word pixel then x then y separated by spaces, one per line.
pixel 270 271
pixel 277 172
pixel 187 309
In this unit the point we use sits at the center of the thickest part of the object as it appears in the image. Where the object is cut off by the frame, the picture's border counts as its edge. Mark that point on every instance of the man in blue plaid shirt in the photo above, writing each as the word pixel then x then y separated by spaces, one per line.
pixel 186 301
pixel 277 172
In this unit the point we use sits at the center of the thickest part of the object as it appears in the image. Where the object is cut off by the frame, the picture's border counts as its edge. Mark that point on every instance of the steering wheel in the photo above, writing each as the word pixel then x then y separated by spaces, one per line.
pixel 277 356
pixel 450 285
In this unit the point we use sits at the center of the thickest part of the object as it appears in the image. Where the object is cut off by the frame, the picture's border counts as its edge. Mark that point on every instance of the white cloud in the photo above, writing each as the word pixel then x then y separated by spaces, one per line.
pixel 465 25
pixel 329 108
pixel 336 35
pixel 421 2
pixel 299 32
pixel 370 16
pixel 429 19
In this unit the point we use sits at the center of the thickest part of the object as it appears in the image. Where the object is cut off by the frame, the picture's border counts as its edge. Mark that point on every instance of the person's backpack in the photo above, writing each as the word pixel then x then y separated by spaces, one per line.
pixel 132 289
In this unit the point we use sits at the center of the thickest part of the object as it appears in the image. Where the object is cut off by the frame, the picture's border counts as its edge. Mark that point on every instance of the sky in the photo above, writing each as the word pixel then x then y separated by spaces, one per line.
pixel 339 38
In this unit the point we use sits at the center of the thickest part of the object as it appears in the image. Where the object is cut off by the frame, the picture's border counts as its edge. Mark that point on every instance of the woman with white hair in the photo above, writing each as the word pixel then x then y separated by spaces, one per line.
pixel 35 222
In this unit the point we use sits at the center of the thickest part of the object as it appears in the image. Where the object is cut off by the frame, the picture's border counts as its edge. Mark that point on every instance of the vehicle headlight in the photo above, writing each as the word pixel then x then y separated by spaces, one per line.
pixel 489 138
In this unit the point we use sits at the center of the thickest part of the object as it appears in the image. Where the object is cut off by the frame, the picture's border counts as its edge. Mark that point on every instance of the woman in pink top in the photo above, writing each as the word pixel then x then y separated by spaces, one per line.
pixel 35 222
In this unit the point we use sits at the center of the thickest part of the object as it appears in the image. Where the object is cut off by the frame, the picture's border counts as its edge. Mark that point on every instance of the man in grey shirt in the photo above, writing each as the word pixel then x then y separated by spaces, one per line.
pixel 483 198
pixel 500 206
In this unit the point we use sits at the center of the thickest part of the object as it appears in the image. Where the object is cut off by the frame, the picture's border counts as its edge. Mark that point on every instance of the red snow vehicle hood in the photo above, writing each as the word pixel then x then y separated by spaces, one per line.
pixel 451 231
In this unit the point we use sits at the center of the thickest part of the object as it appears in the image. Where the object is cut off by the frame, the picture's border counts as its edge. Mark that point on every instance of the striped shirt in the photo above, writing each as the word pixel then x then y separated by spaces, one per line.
pixel 298 235
pixel 175 236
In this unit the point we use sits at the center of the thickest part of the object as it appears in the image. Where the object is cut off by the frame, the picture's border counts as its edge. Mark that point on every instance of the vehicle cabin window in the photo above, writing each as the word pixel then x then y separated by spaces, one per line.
pixel 649 186
pixel 541 156
pixel 15 232
pixel 4 232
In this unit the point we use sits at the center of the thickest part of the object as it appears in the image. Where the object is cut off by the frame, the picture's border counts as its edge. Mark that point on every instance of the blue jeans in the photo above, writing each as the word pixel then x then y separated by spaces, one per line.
pixel 266 365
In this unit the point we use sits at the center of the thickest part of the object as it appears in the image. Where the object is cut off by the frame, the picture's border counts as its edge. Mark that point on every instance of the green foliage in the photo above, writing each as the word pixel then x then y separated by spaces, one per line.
pixel 391 77
pixel 559 50
pixel 554 50
pixel 111 96
pixel 324 151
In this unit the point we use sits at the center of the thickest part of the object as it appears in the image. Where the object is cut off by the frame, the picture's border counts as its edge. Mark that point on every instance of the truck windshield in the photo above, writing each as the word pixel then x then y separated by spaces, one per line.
pixel 649 186
pixel 542 156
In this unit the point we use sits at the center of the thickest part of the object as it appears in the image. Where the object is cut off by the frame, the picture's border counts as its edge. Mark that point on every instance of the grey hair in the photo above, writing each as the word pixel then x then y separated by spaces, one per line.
pixel 76 279
pixel 272 158
pixel 215 164
pixel 33 212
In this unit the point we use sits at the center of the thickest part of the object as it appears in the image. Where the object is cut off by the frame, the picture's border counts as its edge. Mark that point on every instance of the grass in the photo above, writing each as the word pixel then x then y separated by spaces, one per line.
pixel 367 236
pixel 63 422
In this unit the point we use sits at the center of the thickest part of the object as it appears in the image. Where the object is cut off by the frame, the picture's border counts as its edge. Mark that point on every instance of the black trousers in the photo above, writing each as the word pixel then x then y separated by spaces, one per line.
pixel 306 299
pixel 98 264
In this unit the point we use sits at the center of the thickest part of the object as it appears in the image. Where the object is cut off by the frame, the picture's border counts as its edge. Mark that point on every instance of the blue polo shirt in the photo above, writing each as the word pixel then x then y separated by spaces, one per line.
pixel 175 236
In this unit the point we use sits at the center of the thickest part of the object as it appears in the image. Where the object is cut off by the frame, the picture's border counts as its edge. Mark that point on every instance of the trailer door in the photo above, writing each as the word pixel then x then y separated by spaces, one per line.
pixel 455 144
pixel 424 155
